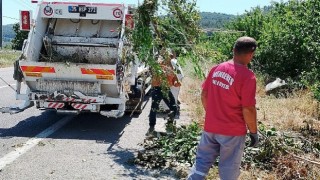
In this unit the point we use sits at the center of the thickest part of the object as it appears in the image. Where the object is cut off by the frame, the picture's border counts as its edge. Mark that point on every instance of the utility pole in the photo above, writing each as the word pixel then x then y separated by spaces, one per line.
pixel 1 24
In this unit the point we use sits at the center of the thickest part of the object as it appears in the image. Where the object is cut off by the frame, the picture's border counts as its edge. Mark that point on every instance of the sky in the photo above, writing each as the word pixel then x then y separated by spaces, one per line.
pixel 10 9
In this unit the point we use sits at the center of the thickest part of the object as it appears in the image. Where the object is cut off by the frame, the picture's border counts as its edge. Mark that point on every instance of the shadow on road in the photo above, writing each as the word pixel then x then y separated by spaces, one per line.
pixel 31 126
pixel 85 126
pixel 125 158
pixel 88 126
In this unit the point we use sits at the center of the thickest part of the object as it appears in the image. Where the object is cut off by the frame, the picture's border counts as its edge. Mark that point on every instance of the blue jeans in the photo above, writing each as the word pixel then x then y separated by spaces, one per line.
pixel 229 148
pixel 157 96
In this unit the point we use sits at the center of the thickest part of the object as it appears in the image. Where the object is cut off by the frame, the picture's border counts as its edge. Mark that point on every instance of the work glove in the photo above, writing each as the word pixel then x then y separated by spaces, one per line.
pixel 254 137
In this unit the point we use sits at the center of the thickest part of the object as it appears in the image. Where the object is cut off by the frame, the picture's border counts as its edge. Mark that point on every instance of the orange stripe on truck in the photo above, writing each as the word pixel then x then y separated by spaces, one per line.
pixel 38 69
pixel 98 71
pixel 32 74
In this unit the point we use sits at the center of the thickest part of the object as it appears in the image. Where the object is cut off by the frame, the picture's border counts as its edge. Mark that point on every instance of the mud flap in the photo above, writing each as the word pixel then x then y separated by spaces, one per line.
pixel 17 73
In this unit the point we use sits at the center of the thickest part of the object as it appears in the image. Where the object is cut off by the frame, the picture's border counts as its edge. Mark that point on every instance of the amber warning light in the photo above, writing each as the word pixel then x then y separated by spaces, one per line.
pixel 25 20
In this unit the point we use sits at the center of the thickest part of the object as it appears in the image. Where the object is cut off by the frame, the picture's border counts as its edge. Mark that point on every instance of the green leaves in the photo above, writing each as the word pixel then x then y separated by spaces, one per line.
pixel 274 144
pixel 161 26
pixel 176 29
pixel 288 38
pixel 312 81
pixel 171 150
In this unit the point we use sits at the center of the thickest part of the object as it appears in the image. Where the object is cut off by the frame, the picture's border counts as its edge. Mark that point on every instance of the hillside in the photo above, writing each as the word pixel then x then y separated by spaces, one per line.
pixel 215 20
pixel 8 33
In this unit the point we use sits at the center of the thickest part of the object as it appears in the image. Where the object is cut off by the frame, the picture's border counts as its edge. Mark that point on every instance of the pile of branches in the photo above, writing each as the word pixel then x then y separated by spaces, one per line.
pixel 291 155
pixel 170 151
pixel 282 153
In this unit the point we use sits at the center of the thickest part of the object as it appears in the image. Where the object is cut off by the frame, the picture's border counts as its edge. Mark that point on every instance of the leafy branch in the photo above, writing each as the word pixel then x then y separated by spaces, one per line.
pixel 154 35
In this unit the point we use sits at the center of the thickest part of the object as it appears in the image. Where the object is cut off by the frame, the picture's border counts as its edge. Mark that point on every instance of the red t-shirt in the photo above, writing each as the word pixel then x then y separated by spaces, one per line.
pixel 230 87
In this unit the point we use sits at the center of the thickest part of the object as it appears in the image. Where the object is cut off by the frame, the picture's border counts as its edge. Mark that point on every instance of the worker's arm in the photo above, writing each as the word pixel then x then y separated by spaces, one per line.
pixel 250 117
pixel 204 97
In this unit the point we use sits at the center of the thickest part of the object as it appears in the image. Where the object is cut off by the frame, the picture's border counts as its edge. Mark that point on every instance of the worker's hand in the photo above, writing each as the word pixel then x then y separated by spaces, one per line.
pixel 254 137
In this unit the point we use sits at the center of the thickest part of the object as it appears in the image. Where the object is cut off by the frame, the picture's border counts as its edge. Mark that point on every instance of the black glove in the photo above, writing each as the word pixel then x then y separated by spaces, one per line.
pixel 254 137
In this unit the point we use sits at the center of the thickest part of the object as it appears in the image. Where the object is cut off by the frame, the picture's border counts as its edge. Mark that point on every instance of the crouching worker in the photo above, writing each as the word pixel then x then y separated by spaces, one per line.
pixel 228 97
pixel 161 83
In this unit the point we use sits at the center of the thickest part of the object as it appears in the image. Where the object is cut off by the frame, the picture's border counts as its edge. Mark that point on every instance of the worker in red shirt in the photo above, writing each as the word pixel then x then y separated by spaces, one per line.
pixel 228 97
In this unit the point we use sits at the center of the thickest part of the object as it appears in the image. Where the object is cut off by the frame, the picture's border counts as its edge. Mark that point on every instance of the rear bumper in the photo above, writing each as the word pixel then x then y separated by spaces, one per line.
pixel 75 97
pixel 78 102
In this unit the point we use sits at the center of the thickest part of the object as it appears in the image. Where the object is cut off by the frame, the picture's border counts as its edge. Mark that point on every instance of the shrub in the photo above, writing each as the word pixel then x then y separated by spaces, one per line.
pixel 288 38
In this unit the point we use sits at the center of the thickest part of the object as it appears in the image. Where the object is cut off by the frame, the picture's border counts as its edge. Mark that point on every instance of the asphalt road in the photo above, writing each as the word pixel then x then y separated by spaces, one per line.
pixel 38 144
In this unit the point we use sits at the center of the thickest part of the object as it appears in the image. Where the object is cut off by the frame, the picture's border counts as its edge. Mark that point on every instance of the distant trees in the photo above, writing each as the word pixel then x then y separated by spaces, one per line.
pixel 215 20
pixel 8 33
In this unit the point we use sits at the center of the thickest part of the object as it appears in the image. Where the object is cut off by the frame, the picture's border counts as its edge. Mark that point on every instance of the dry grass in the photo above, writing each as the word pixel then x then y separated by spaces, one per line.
pixel 190 95
pixel 287 114
pixel 7 57
pixel 255 174
pixel 283 113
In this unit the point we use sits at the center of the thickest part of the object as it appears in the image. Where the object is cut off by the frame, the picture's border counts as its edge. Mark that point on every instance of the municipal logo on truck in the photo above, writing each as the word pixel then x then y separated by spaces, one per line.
pixel 48 11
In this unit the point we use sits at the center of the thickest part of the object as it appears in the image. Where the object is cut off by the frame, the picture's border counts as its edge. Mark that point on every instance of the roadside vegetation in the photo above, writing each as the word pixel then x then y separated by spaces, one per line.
pixel 7 57
pixel 12 49
pixel 289 125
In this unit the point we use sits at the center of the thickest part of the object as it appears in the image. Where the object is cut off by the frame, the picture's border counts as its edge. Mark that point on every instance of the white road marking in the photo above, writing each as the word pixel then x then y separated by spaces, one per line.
pixel 12 156
pixel 7 86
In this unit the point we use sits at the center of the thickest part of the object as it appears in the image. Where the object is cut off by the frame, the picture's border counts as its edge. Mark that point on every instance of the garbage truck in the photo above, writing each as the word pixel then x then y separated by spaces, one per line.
pixel 77 58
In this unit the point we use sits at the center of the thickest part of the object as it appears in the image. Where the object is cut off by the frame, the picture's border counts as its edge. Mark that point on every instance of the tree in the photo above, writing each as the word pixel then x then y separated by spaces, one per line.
pixel 154 33
pixel 215 20
pixel 288 38
pixel 20 36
